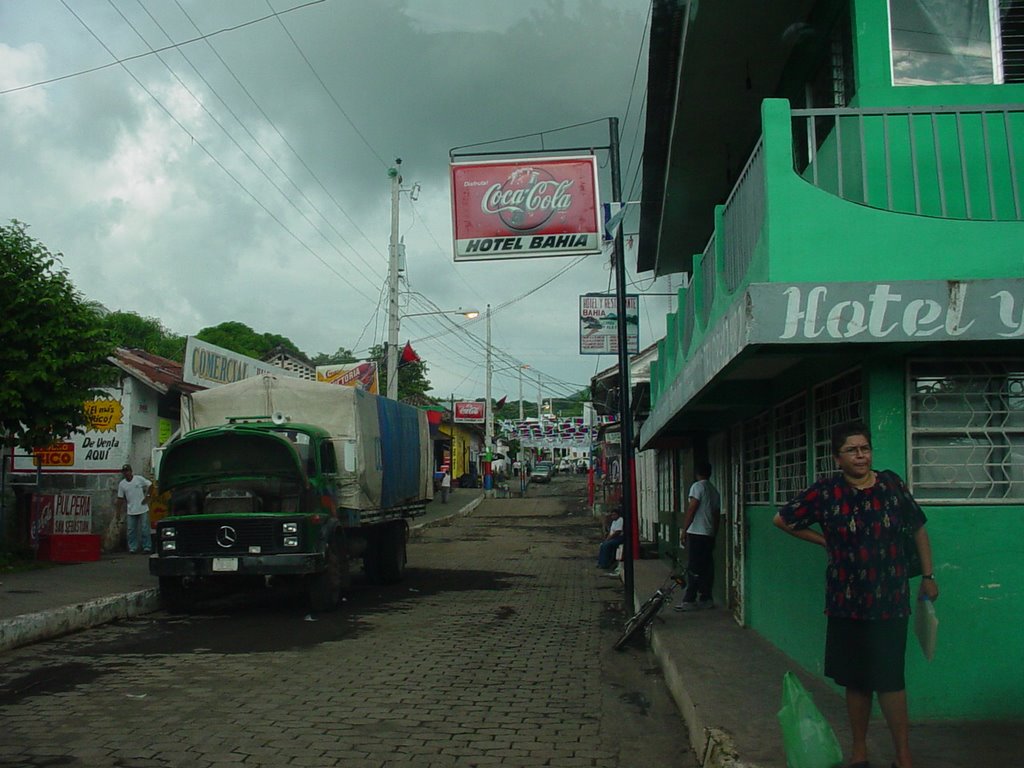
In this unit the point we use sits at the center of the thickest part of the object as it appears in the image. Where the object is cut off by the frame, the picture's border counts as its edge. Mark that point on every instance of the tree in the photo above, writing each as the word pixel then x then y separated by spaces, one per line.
pixel 53 346
pixel 240 338
pixel 338 358
pixel 128 329
pixel 412 377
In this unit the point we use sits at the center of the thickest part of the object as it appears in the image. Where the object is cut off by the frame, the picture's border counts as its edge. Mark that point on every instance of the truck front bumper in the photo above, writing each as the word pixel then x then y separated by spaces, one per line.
pixel 298 563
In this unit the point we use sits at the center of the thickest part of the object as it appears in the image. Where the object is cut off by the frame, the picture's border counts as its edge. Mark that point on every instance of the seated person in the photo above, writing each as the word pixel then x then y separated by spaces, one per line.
pixel 615 537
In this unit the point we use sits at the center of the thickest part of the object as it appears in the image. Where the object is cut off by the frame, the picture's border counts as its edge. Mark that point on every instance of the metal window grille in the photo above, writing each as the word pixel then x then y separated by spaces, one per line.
pixel 966 430
pixel 666 486
pixel 757 460
pixel 790 448
pixel 835 402
pixel 1011 34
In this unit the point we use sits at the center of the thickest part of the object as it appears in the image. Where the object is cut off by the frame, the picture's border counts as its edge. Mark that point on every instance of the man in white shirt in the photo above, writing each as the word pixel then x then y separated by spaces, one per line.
pixel 132 497
pixel 606 553
pixel 703 510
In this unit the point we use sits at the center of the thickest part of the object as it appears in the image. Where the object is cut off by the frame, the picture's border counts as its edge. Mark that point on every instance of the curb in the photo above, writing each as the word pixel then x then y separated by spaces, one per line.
pixel 713 746
pixel 46 625
pixel 461 512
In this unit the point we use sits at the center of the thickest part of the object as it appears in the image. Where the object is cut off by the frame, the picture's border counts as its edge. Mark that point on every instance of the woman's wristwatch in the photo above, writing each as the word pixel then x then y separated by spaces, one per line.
pixel 929 576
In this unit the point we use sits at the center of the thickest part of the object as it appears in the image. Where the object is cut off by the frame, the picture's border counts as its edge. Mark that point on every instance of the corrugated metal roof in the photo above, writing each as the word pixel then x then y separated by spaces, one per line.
pixel 160 373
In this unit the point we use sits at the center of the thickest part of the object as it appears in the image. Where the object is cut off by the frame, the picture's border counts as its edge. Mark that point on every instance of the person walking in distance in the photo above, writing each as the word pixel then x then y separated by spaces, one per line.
pixel 446 484
pixel 132 497
pixel 703 507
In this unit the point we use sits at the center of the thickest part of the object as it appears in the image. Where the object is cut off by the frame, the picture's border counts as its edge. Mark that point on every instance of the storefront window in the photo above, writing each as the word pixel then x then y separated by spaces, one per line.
pixel 941 42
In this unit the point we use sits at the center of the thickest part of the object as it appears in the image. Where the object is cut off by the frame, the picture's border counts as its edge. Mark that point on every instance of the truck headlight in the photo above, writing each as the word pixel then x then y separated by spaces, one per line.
pixel 289 527
pixel 291 541
pixel 168 533
pixel 168 546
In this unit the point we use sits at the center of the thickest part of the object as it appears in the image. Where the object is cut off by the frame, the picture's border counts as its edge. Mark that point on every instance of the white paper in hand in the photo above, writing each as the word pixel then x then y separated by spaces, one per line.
pixel 926 626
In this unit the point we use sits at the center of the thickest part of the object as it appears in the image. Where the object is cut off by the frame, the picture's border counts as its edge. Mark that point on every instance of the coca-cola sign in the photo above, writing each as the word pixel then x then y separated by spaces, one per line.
pixel 469 412
pixel 512 209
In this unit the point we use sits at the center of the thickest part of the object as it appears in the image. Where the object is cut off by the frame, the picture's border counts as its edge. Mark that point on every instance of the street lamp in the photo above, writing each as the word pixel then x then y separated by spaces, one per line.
pixel 392 359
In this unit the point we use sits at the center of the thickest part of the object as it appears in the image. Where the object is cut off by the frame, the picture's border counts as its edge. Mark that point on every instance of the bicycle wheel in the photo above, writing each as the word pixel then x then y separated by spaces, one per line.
pixel 639 620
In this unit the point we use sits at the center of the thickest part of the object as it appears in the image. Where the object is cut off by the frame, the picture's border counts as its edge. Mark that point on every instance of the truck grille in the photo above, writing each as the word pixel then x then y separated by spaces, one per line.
pixel 230 536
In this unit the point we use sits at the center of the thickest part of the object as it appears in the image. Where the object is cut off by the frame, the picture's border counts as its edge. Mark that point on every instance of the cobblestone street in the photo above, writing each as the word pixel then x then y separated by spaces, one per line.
pixel 493 651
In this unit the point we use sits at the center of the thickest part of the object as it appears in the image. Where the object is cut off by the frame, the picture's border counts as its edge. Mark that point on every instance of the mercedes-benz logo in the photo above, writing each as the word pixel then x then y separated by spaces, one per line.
pixel 227 536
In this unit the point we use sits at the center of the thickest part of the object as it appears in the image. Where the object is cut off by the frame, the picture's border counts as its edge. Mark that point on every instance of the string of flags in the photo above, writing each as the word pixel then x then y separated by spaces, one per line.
pixel 564 431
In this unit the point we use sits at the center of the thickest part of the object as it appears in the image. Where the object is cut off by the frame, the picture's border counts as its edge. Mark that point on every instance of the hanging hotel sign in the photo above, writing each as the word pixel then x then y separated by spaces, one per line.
pixel 514 209
pixel 599 324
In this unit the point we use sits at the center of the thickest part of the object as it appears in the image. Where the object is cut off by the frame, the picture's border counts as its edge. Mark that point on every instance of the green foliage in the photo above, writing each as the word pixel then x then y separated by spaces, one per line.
pixel 53 345
pixel 340 357
pixel 412 377
pixel 240 338
pixel 128 329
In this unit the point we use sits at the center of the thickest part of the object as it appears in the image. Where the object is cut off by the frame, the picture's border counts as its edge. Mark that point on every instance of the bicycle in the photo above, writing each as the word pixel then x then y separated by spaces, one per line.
pixel 646 613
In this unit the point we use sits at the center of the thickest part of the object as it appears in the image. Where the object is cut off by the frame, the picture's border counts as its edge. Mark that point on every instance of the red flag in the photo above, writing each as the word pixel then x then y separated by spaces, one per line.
pixel 409 355
pixel 500 403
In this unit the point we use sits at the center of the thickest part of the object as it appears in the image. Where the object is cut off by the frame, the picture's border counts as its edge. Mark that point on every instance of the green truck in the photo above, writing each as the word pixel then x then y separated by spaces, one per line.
pixel 285 480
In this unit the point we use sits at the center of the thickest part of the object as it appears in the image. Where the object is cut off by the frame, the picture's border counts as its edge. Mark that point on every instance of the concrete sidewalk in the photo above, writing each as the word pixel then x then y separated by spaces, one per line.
pixel 727 682
pixel 58 599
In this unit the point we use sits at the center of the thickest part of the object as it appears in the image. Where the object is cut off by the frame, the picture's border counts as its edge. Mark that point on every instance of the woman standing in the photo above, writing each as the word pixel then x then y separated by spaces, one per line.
pixel 862 513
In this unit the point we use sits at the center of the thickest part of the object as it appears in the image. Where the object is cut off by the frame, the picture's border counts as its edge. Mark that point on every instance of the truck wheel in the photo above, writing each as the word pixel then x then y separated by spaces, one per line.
pixel 391 552
pixel 175 597
pixel 325 587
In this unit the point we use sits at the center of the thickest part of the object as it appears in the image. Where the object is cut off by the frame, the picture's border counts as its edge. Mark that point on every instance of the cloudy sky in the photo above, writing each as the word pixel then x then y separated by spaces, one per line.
pixel 244 175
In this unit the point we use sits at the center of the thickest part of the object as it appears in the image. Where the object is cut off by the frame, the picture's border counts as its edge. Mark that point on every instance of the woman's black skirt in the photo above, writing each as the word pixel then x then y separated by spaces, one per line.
pixel 866 655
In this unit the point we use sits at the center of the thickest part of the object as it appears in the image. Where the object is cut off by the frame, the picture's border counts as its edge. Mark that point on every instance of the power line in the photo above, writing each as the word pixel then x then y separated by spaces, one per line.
pixel 117 61
pixel 213 157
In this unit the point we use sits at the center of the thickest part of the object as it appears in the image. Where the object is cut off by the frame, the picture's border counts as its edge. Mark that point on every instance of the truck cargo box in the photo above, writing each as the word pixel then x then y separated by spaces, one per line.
pixel 382 446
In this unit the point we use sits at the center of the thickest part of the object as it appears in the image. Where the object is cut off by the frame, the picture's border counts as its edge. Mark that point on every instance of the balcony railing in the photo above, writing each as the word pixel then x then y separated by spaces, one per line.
pixel 743 218
pixel 951 162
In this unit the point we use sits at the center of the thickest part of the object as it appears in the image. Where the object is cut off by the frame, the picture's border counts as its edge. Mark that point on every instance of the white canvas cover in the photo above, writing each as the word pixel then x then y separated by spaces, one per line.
pixel 348 414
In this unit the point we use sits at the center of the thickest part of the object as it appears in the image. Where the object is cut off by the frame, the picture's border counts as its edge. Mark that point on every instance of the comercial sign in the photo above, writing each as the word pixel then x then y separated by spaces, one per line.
pixel 599 324
pixel 514 209
pixel 470 412
pixel 359 375
pixel 207 365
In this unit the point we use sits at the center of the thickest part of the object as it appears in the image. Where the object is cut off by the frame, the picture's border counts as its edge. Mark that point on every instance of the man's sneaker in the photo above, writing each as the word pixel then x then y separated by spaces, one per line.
pixel 685 606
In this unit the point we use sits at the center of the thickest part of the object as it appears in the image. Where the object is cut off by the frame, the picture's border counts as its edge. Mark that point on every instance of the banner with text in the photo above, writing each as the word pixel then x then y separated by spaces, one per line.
pixel 207 365
pixel 514 209
pixel 359 375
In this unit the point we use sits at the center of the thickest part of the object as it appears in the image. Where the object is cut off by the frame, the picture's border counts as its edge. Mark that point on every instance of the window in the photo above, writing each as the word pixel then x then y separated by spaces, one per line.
pixel 938 42
pixel 757 460
pixel 835 401
pixel 790 448
pixel 666 486
pixel 966 431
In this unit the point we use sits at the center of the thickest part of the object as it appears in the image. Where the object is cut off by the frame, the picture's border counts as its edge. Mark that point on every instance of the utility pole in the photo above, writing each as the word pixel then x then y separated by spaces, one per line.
pixel 625 409
pixel 393 319
pixel 488 415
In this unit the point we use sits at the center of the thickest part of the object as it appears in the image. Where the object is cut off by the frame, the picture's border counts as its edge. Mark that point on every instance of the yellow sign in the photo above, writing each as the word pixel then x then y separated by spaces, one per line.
pixel 103 415
pixel 56 455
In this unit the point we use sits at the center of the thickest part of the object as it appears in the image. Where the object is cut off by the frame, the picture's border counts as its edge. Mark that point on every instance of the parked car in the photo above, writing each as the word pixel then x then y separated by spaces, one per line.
pixel 582 465
pixel 565 465
pixel 543 472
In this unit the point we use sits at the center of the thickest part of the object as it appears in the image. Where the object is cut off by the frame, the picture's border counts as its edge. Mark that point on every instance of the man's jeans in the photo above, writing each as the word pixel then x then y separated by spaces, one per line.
pixel 138 533
pixel 606 554
pixel 701 569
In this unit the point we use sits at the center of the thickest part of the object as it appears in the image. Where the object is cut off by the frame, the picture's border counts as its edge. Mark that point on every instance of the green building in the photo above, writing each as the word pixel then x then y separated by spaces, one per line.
pixel 843 181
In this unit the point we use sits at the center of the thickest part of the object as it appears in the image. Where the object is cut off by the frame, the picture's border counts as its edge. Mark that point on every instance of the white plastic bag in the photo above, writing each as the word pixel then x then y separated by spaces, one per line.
pixel 926 626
